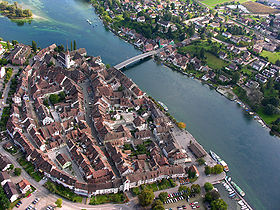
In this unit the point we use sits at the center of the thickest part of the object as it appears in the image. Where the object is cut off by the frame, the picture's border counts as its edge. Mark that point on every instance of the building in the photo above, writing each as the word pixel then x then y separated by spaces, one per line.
pixel 10 191
pixel 63 160
pixel 4 178
pixel 2 72
pixel 5 163
pixel 24 186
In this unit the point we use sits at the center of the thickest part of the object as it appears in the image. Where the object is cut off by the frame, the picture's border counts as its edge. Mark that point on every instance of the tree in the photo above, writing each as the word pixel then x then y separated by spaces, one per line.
pixel 157 205
pixel 277 62
pixel 208 187
pixel 108 66
pixel 269 109
pixel 75 45
pixel 34 46
pixel 54 99
pixel 219 204
pixel 163 196
pixel 14 42
pixel 182 188
pixel 181 125
pixel 217 169
pixel 146 197
pixel 17 171
pixel 235 77
pixel 71 46
pixel 11 167
pixel 195 189
pixel 8 45
pixel 59 202
pixel 207 170
pixel 211 196
pixel 200 161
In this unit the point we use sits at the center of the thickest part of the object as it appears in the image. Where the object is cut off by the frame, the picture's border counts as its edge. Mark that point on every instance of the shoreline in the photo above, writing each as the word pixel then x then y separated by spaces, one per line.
pixel 243 105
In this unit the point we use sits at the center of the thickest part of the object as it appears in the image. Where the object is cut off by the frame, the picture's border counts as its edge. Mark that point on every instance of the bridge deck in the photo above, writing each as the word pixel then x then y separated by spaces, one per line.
pixel 135 58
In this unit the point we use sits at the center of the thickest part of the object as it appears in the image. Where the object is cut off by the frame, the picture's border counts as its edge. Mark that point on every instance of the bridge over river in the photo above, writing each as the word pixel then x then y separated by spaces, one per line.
pixel 136 58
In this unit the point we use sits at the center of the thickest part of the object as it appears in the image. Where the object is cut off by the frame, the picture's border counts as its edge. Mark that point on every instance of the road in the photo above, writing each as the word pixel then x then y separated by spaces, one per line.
pixel 7 88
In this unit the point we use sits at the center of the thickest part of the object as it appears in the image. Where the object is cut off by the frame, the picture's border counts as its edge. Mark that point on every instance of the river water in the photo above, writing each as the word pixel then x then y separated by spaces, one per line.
pixel 217 123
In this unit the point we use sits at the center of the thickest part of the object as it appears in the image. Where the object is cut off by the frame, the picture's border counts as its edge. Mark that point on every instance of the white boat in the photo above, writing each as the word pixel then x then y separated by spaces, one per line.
pixel 89 21
pixel 163 105
pixel 219 160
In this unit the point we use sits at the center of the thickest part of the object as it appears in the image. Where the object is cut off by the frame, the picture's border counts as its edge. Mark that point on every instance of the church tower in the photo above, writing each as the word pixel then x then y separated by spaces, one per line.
pixel 67 59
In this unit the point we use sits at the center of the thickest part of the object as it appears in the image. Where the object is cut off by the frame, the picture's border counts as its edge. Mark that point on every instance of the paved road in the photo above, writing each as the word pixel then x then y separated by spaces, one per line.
pixel 7 88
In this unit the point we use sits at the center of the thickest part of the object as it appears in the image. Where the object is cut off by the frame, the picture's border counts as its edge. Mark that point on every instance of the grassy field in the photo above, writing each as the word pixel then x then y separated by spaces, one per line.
pixel 267 118
pixel 272 56
pixel 257 8
pixel 212 3
pixel 215 62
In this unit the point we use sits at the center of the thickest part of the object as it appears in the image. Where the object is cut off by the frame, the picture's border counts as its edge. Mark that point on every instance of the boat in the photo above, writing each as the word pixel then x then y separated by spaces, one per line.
pixel 163 105
pixel 89 21
pixel 219 160
pixel 237 188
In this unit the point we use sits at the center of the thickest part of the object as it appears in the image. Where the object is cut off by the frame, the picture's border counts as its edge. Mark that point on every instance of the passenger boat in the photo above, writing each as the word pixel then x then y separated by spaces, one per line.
pixel 237 188
pixel 219 160
pixel 163 105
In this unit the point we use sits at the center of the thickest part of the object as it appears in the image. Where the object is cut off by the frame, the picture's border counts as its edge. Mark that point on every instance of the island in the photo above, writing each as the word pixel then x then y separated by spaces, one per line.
pixel 14 11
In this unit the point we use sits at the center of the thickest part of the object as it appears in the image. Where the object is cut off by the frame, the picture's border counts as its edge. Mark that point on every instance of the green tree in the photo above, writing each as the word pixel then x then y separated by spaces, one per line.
pixel 8 45
pixel 146 197
pixel 108 66
pixel 195 189
pixel 4 201
pixel 34 46
pixel 182 188
pixel 207 170
pixel 14 42
pixel 217 169
pixel 17 171
pixel 235 77
pixel 157 205
pixel 75 45
pixel 71 46
pixel 200 161
pixel 212 195
pixel 219 204
pixel 54 99
pixel 11 167
pixel 163 196
pixel 59 202
pixel 208 187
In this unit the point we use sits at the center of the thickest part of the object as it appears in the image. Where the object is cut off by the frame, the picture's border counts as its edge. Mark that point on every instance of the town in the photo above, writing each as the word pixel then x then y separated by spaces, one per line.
pixel 232 47
pixel 90 130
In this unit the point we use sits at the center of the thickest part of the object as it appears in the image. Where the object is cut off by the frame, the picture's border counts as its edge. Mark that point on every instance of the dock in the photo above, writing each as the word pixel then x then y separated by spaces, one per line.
pixel 241 198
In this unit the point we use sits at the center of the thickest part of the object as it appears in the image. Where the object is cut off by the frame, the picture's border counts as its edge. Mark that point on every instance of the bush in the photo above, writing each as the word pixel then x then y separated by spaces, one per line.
pixel 146 197
pixel 208 187
pixel 17 171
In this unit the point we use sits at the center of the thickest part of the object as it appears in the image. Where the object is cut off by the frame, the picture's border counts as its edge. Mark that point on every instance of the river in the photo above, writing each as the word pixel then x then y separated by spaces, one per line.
pixel 217 123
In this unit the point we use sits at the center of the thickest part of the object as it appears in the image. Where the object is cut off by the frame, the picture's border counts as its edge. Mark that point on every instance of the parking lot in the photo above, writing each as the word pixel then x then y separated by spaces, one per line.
pixel 194 203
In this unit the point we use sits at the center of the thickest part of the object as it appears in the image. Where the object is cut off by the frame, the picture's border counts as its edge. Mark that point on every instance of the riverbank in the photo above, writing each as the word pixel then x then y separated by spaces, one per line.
pixel 223 90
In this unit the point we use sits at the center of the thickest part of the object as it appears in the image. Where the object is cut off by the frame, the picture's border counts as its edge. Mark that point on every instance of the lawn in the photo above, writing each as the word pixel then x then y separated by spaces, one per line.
pixel 246 71
pixel 108 198
pixel 215 62
pixel 267 118
pixel 63 191
pixel 272 56
pixel 29 168
pixel 159 185
pixel 212 3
